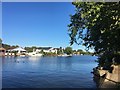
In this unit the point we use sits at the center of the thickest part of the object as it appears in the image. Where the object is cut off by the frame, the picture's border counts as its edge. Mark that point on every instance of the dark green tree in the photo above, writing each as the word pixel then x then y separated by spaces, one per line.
pixel 60 51
pixel 42 51
pixel 30 49
pixel 0 42
pixel 6 46
pixel 68 50
pixel 97 25
pixel 80 51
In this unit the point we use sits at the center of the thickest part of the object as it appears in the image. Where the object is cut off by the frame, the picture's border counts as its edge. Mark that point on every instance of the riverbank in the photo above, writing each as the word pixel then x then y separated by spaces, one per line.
pixel 108 79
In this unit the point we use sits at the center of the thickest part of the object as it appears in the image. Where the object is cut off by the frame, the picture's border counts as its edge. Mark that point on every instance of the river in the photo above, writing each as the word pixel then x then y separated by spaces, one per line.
pixel 48 72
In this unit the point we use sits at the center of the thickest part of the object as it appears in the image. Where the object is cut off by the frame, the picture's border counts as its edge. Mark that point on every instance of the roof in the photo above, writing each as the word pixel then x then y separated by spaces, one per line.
pixel 18 49
pixel 2 48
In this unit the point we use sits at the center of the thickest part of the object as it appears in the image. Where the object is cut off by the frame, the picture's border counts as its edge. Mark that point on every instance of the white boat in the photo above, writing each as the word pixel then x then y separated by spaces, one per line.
pixel 22 55
pixel 65 55
pixel 34 54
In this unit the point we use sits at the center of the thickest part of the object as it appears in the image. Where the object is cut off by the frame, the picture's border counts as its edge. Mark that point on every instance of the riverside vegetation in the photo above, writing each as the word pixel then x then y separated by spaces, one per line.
pixel 60 51
pixel 97 25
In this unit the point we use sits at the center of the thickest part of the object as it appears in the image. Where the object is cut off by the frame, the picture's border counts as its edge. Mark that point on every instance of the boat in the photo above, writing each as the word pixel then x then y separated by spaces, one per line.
pixel 34 54
pixel 65 55
pixel 22 55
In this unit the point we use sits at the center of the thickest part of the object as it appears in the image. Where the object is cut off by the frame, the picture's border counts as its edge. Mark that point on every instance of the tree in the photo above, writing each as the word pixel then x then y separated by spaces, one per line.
pixel 30 49
pixel 6 46
pixel 42 51
pixel 60 51
pixel 74 52
pixel 0 42
pixel 80 51
pixel 68 50
pixel 96 25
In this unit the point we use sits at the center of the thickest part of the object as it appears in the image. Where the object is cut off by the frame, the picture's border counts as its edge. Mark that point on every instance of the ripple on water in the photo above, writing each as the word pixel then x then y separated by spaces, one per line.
pixel 49 72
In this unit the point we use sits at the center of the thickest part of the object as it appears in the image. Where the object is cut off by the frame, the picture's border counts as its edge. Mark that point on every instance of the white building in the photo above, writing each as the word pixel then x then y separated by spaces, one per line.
pixel 18 50
pixel 47 50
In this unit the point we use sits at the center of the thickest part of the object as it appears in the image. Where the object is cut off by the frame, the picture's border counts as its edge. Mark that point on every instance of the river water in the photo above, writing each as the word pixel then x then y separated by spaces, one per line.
pixel 48 72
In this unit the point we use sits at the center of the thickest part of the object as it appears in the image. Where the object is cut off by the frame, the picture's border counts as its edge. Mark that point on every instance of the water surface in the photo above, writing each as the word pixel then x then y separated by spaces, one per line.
pixel 48 72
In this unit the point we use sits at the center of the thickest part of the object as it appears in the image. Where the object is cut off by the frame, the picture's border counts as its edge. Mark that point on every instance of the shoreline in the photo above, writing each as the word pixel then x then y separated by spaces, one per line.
pixel 106 79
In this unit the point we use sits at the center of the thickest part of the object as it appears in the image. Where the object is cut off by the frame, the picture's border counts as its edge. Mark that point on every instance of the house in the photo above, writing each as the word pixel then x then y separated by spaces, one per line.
pixel 47 50
pixel 53 50
pixel 2 51
pixel 18 51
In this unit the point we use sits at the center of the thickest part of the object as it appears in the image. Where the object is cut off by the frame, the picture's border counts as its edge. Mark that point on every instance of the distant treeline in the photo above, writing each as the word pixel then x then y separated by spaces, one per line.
pixel 7 47
pixel 60 50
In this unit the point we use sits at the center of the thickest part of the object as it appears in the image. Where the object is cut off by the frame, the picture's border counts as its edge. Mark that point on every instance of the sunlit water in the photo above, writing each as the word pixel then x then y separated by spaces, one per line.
pixel 48 72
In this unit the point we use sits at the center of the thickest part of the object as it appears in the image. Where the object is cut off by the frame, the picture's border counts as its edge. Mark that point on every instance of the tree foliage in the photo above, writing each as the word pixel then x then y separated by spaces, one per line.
pixel 68 50
pixel 0 42
pixel 30 49
pixel 97 25
pixel 60 51
pixel 6 46
pixel 79 50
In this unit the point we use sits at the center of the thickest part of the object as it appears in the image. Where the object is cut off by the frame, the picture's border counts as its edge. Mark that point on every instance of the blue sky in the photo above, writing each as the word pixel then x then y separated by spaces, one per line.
pixel 37 24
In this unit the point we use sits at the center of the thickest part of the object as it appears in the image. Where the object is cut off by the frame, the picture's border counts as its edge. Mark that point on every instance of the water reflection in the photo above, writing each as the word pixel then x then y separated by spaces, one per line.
pixel 64 62
pixel 34 58
pixel 46 72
